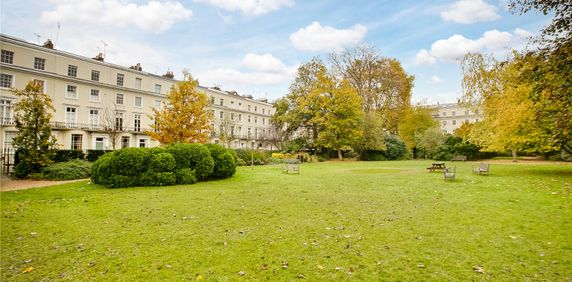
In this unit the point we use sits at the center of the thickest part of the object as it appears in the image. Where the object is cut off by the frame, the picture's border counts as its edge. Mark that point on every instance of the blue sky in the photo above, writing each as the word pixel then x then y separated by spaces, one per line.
pixel 255 46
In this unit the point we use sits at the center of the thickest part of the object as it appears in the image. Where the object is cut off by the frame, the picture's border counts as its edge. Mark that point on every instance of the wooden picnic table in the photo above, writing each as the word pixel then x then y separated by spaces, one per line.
pixel 436 166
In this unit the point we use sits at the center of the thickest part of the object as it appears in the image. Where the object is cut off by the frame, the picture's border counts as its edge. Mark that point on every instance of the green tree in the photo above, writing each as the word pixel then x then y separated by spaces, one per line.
pixel 429 141
pixel 184 119
pixel 559 31
pixel 335 108
pixel 34 139
pixel 372 133
pixel 414 121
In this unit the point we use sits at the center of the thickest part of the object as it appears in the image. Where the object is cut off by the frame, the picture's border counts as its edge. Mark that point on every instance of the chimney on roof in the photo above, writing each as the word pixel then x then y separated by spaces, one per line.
pixel 169 74
pixel 99 57
pixel 48 44
pixel 136 67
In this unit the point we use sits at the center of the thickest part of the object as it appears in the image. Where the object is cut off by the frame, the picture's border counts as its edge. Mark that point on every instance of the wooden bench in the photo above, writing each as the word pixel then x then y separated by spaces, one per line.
pixel 459 158
pixel 291 168
pixel 483 168
pixel 449 173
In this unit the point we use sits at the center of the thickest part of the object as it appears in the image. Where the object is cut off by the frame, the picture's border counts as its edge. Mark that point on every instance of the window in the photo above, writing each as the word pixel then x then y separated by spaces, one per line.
pixel 221 114
pixel 249 108
pixel 256 120
pixel 466 121
pixel 248 119
pixel 71 116
pixel 444 114
pixel 72 71
pixel 255 109
pixel 454 122
pixel 212 100
pixel 231 116
pixel 263 109
pixel 138 102
pixel 6 80
pixel 221 101
pixel 239 117
pixel 7 57
pixel 213 113
pixel 142 143
pixel 158 104
pixel 99 143
pixel 119 99
pixel 41 83
pixel 137 122
pixel 39 63
pixel 119 121
pixel 263 121
pixel 124 141
pixel 249 132
pixel 95 75
pixel 76 141
pixel 5 112
pixel 256 133
pixel 120 78
pixel 157 88
pixel 71 91
pixel 94 118
pixel 444 122
pixel 138 83
pixel 466 113
pixel 94 95
pixel 453 113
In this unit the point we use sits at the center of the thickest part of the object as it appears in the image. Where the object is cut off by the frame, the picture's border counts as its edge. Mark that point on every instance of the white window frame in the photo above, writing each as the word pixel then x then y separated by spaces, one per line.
pixel 70 67
pixel 9 55
pixel 157 88
pixel 137 122
pixel 118 80
pixel 94 118
pixel 117 95
pixel 138 83
pixel 39 63
pixel 70 117
pixel 91 96
pixel 95 74
pixel 6 114
pixel 11 80
pixel 140 101
pixel 71 95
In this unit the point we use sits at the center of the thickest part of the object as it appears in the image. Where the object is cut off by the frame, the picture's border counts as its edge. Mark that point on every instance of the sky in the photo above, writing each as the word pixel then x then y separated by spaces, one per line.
pixel 255 46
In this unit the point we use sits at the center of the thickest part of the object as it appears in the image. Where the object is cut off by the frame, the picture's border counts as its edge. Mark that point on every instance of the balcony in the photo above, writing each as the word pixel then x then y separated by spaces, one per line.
pixel 6 121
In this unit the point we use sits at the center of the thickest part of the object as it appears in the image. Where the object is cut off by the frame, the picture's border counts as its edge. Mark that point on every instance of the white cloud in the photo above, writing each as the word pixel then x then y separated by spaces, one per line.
pixel 248 7
pixel 435 80
pixel 455 47
pixel 470 11
pixel 524 34
pixel 316 37
pixel 423 57
pixel 154 16
pixel 265 63
pixel 262 70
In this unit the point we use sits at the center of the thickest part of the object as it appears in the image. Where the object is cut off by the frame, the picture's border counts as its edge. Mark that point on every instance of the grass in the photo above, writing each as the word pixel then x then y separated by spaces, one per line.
pixel 335 221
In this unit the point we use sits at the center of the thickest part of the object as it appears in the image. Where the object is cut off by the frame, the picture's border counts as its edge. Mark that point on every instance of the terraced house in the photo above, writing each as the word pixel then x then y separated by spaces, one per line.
pixel 100 105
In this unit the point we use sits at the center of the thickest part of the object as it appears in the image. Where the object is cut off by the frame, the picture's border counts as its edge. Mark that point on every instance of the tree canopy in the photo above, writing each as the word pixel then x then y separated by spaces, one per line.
pixel 184 118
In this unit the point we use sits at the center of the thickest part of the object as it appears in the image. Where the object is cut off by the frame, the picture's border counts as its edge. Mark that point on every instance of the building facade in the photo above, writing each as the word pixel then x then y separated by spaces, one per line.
pixel 99 105
pixel 451 116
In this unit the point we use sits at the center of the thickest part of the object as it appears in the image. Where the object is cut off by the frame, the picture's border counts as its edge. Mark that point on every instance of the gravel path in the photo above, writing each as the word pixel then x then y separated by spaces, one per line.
pixel 7 183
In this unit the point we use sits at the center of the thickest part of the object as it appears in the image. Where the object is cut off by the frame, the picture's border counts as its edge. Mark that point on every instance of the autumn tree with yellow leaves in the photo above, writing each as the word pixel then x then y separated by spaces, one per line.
pixel 184 118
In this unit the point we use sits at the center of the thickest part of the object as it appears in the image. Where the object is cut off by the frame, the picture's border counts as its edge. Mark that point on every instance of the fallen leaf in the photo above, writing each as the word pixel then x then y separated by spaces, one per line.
pixel 421 265
pixel 478 269
pixel 264 267
pixel 199 277
pixel 301 276
pixel 28 269
pixel 284 264
pixel 320 267
pixel 241 273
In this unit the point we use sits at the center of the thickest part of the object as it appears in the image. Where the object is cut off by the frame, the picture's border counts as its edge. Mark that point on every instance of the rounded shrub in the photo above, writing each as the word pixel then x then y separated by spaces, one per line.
pixel 224 160
pixel 162 162
pixel 194 156
pixel 186 176
pixel 122 168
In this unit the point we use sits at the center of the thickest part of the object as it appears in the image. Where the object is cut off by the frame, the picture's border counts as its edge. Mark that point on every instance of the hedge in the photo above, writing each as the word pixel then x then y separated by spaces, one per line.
pixel 176 164
pixel 76 169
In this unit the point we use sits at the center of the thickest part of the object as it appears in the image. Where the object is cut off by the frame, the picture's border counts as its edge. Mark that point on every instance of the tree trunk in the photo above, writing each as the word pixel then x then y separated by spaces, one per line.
pixel 513 155
pixel 340 157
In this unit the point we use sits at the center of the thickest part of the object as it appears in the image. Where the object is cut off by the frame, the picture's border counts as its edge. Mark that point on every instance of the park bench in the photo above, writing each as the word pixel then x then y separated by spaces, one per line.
pixel 449 173
pixel 459 158
pixel 483 168
pixel 291 168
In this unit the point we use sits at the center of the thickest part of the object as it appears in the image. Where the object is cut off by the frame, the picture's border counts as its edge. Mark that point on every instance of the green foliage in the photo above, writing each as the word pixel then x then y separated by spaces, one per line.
pixel 162 162
pixel 247 156
pixel 429 141
pixel 75 169
pixel 372 155
pixel 396 148
pixel 297 144
pixel 415 121
pixel 225 163
pixel 34 140
pixel 372 139
pixel 193 156
pixel 93 155
pixel 67 155
pixel 186 176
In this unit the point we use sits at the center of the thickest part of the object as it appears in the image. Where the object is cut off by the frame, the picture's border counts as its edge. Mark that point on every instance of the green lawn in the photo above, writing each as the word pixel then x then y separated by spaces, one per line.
pixel 335 221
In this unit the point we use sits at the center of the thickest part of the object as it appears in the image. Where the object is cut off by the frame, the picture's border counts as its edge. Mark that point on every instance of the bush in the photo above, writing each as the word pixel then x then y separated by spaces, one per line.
pixel 162 162
pixel 67 155
pixel 396 148
pixel 122 168
pixel 158 179
pixel 22 169
pixel 256 156
pixel 194 156
pixel 76 169
pixel 185 176
pixel 372 155
pixel 224 162
pixel 93 155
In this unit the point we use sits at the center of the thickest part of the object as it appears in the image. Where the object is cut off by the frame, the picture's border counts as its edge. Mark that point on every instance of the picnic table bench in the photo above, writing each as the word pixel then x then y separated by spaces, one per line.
pixel 436 166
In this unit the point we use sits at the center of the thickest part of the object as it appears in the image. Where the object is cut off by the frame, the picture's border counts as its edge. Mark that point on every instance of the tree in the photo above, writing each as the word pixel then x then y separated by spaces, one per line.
pixel 415 121
pixel 429 141
pixel 560 30
pixel 381 82
pixel 373 134
pixel 34 139
pixel 113 123
pixel 226 130
pixel 184 118
pixel 335 108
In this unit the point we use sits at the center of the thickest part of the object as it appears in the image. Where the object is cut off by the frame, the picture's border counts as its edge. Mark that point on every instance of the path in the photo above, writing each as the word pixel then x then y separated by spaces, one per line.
pixel 8 183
